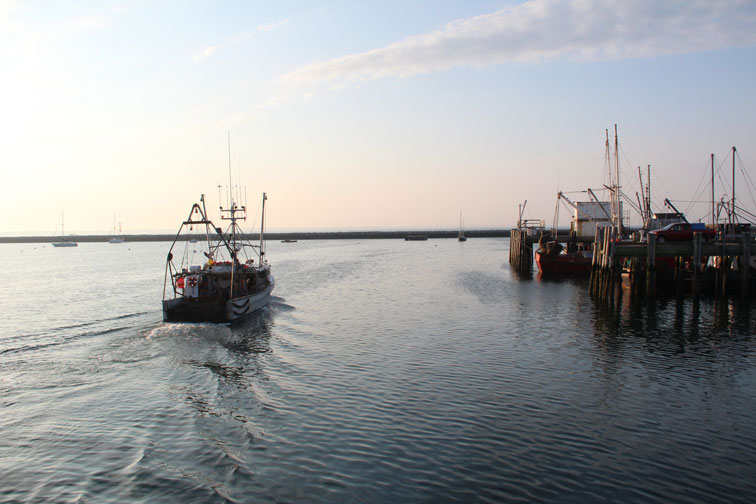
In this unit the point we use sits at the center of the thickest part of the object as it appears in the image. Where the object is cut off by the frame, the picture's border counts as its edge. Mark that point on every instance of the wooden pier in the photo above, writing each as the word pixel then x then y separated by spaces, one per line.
pixel 696 267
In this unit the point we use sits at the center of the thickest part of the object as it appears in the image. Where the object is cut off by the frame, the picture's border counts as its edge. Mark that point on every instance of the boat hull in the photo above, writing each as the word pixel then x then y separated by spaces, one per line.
pixel 215 309
pixel 65 244
pixel 564 264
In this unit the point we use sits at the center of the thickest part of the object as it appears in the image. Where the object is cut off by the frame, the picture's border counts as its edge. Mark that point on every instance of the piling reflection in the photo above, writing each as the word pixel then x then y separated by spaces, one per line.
pixel 673 324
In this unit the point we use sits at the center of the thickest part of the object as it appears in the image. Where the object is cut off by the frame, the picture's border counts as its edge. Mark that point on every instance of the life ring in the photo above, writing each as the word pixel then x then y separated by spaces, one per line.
pixel 192 281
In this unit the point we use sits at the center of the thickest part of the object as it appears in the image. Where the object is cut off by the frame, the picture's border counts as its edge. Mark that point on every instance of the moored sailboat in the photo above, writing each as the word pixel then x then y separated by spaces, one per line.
pixel 461 236
pixel 114 238
pixel 63 242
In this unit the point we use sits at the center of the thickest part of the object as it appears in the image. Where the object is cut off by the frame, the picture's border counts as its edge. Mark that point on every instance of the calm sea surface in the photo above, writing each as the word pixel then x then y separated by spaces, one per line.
pixel 383 371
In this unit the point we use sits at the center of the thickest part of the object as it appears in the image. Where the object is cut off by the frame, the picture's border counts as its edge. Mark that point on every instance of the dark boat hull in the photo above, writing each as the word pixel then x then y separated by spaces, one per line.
pixel 215 309
pixel 564 264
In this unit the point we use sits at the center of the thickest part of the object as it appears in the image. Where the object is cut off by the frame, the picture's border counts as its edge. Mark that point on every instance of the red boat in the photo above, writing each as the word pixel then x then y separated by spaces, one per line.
pixel 573 263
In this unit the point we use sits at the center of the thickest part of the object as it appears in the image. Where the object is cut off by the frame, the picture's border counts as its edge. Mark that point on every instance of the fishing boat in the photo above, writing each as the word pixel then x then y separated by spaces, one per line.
pixel 461 235
pixel 552 260
pixel 234 279
pixel 552 257
pixel 63 242
pixel 572 258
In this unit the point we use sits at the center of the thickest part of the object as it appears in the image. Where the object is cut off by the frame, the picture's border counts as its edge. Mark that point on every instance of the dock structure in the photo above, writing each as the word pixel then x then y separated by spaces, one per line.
pixel 521 250
pixel 719 267
pixel 521 240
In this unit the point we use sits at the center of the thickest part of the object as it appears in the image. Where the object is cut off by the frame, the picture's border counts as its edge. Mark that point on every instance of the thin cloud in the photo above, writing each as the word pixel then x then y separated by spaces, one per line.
pixel 272 26
pixel 543 30
pixel 206 52
pixel 209 50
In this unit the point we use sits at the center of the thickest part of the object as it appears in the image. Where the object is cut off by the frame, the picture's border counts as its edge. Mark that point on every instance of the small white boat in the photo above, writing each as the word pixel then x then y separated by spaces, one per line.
pixel 63 242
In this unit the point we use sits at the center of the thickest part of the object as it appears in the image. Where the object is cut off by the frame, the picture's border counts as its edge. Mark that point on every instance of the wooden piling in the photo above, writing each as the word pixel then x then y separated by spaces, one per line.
pixel 696 266
pixel 651 266
pixel 745 265
pixel 520 251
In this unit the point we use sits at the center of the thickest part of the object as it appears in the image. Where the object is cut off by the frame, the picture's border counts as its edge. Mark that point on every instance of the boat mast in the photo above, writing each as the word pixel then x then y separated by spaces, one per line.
pixel 618 214
pixel 713 213
pixel 648 196
pixel 733 185
pixel 608 161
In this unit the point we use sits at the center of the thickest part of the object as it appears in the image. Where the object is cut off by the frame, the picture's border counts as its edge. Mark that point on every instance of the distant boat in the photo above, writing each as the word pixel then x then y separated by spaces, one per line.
pixel 114 238
pixel 288 240
pixel 461 236
pixel 63 242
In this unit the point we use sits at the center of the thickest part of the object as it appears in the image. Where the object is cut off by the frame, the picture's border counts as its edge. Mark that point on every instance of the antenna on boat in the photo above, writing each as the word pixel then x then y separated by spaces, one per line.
pixel 230 186
pixel 262 230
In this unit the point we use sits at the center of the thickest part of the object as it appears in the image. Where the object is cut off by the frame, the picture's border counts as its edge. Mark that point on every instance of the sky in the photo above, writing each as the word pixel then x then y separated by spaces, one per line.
pixel 366 115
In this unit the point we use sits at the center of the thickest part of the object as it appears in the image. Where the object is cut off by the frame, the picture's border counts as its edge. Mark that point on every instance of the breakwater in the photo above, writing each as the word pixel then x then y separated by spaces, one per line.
pixel 298 235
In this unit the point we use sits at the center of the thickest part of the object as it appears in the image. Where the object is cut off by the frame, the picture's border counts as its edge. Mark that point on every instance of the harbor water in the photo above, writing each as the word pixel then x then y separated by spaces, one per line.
pixel 381 371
